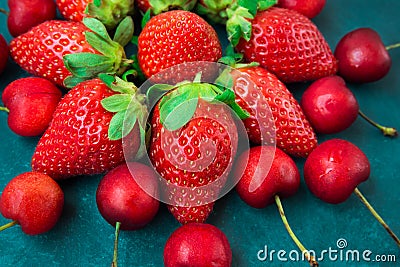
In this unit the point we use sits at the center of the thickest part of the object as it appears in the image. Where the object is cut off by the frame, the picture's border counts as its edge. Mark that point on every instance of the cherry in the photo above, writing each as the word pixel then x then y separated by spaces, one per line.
pixel 123 203
pixel 309 8
pixel 31 103
pixel 3 53
pixel 331 107
pixel 362 56
pixel 260 185
pixel 197 244
pixel 33 200
pixel 25 14
pixel 333 171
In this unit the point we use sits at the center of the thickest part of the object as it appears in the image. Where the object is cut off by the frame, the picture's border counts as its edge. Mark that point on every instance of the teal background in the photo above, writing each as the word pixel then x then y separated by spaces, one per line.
pixel 83 238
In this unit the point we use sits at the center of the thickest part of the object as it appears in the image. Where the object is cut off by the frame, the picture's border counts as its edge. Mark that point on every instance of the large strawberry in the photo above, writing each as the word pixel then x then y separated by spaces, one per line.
pixel 157 6
pixel 50 50
pixel 193 143
pixel 84 136
pixel 109 12
pixel 175 37
pixel 289 45
pixel 275 115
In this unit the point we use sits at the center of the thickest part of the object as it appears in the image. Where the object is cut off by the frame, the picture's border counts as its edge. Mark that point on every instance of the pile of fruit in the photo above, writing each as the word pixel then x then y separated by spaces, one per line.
pixel 144 99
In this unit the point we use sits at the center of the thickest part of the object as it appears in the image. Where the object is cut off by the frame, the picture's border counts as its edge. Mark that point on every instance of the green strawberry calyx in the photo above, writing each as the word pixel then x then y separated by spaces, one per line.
pixel 112 58
pixel 159 6
pixel 179 102
pixel 129 106
pixel 239 16
pixel 110 12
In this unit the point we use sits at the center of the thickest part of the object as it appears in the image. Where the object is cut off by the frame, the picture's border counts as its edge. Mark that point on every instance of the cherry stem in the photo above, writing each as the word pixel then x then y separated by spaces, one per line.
pixel 313 262
pixel 4 109
pixel 115 256
pixel 5 12
pixel 8 225
pixel 387 131
pixel 376 215
pixel 392 46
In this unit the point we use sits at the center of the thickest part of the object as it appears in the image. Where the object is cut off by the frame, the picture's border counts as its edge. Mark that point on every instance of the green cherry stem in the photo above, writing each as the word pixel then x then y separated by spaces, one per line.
pixel 376 215
pixel 313 262
pixel 8 225
pixel 387 131
pixel 392 46
pixel 4 109
pixel 115 256
pixel 5 12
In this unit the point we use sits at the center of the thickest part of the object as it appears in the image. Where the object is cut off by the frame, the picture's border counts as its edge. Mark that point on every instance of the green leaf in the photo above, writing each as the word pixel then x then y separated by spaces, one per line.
pixel 96 26
pixel 225 79
pixel 228 96
pixel 146 18
pixel 242 114
pixel 130 120
pixel 87 64
pixel 100 44
pixel 177 111
pixel 97 3
pixel 265 4
pixel 72 81
pixel 238 26
pixel 135 40
pixel 117 102
pixel 250 5
pixel 115 127
pixel 124 32
pixel 155 92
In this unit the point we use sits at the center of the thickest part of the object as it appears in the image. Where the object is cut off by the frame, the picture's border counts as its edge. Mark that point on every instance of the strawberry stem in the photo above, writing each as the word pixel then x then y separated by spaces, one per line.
pixel 376 215
pixel 387 131
pixel 4 109
pixel 311 259
pixel 115 256
pixel 8 225
pixel 5 12
pixel 392 46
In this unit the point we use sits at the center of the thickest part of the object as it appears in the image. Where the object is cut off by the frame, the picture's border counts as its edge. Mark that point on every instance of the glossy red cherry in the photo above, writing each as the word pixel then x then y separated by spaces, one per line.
pixel 33 200
pixel 309 8
pixel 197 245
pixel 31 103
pixel 329 105
pixel 362 56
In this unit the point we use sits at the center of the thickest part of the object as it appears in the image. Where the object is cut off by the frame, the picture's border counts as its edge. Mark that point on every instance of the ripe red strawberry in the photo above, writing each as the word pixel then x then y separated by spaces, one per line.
pixel 41 51
pixel 289 45
pixel 176 37
pixel 158 7
pixel 109 12
pixel 83 137
pixel 192 149
pixel 294 134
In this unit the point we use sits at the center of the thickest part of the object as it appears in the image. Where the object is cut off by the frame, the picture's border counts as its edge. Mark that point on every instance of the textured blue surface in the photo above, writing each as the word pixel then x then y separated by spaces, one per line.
pixel 83 238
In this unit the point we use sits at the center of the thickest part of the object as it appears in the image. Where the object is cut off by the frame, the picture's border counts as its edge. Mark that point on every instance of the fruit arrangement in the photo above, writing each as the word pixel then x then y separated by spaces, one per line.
pixel 196 156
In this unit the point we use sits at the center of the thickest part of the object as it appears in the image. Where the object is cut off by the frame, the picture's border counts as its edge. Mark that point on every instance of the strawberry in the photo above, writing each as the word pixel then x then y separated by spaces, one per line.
pixel 84 136
pixel 193 143
pixel 109 12
pixel 176 37
pixel 85 48
pixel 158 7
pixel 263 95
pixel 289 45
